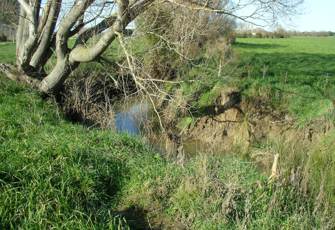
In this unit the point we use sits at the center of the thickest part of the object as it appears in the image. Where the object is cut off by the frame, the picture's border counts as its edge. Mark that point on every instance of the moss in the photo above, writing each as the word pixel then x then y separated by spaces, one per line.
pixel 184 123
pixel 208 98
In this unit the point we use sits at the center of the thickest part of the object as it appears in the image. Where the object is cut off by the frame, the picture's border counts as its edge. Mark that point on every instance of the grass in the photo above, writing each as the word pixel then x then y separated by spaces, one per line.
pixel 7 52
pixel 293 45
pixel 61 175
pixel 57 174
pixel 49 174
pixel 294 75
pixel 321 168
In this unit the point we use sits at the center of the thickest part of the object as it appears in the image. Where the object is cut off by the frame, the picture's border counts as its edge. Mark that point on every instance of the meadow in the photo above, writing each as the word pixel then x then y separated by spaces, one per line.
pixel 57 174
pixel 295 76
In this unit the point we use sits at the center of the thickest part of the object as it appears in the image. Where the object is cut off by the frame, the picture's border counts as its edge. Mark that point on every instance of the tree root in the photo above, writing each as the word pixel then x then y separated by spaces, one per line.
pixel 12 73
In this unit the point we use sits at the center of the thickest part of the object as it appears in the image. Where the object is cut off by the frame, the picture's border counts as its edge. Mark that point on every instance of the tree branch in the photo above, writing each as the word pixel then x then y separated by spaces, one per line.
pixel 26 7
pixel 13 74
pixel 67 23
pixel 83 54
pixel 46 35
pixel 28 45
pixel 44 16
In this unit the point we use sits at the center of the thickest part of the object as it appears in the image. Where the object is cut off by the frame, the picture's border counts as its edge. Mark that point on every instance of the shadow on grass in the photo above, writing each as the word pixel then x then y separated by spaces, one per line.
pixel 136 218
pixel 247 45
pixel 274 64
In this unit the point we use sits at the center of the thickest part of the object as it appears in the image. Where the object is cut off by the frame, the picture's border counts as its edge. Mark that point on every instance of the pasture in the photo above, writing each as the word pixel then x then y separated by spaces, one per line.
pixel 295 75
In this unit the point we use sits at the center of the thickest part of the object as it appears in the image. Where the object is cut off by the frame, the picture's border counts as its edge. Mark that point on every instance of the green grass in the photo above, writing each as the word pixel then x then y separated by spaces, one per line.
pixel 53 173
pixel 7 52
pixel 288 57
pixel 61 175
pixel 56 174
pixel 321 168
pixel 294 75
pixel 293 45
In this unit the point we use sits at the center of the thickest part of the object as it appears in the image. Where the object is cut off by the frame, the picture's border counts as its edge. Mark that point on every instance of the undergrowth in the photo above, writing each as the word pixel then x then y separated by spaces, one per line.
pixel 56 174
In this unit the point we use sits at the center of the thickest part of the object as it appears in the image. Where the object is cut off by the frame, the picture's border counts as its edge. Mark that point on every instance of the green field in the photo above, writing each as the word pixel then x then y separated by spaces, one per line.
pixel 310 57
pixel 297 75
pixel 293 45
pixel 56 174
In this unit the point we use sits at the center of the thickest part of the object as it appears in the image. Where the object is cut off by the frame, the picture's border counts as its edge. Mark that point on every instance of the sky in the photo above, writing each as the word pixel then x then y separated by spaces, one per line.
pixel 317 15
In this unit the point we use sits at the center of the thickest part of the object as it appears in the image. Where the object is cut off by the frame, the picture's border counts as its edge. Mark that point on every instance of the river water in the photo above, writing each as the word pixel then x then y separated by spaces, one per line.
pixel 131 119
pixel 134 118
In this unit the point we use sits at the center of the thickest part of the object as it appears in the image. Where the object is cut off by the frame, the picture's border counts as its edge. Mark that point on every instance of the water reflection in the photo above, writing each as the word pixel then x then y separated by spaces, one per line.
pixel 125 123
pixel 133 118
pixel 130 119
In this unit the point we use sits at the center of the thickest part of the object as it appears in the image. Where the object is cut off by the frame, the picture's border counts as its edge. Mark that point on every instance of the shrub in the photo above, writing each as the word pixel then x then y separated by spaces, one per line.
pixel 3 37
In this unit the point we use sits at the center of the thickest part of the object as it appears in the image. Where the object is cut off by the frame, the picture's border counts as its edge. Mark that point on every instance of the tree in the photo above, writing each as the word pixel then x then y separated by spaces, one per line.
pixel 9 12
pixel 45 29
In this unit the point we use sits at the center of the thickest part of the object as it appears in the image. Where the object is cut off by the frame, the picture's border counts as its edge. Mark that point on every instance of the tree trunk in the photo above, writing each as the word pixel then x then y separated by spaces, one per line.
pixel 58 75
pixel 38 38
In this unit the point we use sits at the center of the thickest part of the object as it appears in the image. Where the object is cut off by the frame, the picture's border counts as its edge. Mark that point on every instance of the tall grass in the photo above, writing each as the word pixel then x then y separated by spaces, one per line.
pixel 320 170
pixel 56 174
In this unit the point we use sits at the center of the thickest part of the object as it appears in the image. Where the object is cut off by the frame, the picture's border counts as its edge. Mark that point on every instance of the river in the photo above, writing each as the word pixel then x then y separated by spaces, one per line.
pixel 136 118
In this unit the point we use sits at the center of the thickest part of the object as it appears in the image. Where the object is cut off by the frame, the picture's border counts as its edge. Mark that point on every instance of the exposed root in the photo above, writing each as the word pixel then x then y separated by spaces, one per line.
pixel 11 73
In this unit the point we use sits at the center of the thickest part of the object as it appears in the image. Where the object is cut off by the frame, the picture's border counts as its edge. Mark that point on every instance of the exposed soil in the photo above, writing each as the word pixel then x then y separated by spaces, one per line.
pixel 139 219
pixel 245 123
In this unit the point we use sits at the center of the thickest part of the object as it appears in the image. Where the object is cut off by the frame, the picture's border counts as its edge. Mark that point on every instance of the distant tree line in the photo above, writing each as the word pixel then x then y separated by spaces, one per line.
pixel 8 19
pixel 280 33
pixel 9 12
pixel 312 33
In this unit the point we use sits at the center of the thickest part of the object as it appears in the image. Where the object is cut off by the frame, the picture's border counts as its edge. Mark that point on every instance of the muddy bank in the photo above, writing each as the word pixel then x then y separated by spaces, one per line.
pixel 231 123
pixel 235 124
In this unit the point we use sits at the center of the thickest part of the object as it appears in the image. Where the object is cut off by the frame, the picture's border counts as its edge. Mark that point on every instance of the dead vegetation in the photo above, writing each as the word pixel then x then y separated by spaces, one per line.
pixel 89 96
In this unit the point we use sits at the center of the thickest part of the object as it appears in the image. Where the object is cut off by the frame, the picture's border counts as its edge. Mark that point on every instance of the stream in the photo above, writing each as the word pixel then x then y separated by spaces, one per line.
pixel 133 118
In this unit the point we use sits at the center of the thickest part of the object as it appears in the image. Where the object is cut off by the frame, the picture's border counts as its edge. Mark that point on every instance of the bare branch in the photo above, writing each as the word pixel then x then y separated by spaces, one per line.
pixel 44 17
pixel 67 23
pixel 135 78
pixel 27 8
pixel 97 29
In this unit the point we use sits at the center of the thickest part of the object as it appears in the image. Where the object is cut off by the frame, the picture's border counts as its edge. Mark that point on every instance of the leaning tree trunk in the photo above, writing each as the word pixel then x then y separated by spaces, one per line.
pixel 39 39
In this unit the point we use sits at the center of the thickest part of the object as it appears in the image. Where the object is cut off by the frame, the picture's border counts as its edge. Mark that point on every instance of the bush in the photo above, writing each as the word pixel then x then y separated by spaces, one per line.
pixel 3 38
pixel 179 37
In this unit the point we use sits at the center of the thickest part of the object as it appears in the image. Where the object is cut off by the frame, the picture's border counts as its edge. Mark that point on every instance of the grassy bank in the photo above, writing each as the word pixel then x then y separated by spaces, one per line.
pixel 58 174
pixel 295 76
